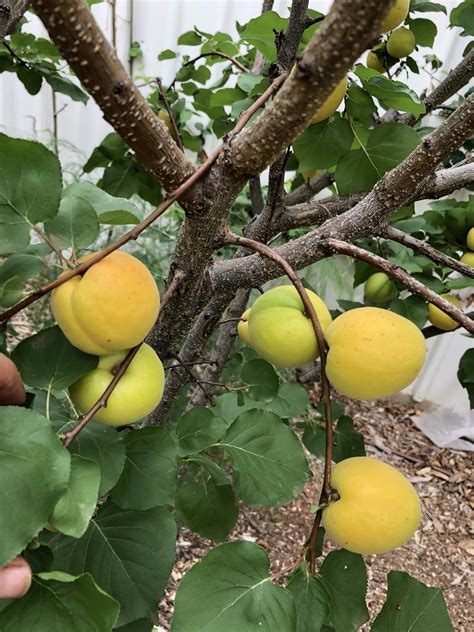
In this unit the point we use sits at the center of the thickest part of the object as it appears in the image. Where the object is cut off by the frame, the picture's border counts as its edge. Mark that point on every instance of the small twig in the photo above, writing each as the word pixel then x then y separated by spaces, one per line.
pixel 139 228
pixel 171 288
pixel 55 122
pixel 325 386
pixel 277 194
pixel 51 244
pixel 103 399
pixel 232 320
pixel 336 246
pixel 217 53
pixel 164 98
pixel 185 366
pixel 389 232
pixel 21 61
pixel 200 363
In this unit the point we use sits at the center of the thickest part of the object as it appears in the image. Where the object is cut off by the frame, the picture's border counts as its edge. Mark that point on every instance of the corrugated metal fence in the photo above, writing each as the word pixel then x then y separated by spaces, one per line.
pixel 156 24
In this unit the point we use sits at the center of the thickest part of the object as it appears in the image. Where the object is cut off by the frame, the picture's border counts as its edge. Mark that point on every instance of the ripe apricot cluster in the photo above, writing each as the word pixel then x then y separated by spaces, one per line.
pixel 105 312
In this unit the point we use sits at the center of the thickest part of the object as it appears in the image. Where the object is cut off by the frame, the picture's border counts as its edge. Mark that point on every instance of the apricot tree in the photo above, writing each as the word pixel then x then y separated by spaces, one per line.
pixel 94 509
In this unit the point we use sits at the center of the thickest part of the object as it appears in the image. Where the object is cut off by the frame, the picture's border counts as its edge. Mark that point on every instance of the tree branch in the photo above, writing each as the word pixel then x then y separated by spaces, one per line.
pixel 5 16
pixel 345 33
pixel 75 32
pixel 336 246
pixel 296 27
pixel 423 247
pixel 309 189
pixel 103 399
pixel 216 53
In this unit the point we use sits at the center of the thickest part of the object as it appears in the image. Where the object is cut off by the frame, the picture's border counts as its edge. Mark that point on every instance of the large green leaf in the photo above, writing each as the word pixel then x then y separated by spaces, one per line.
pixel 151 467
pixel 130 554
pixel 48 360
pixel 390 93
pixel 198 429
pixel 75 226
pixel 424 31
pixel 345 579
pixel 386 147
pixel 140 625
pixel 229 406
pixel 321 145
pixel 412 606
pixel 110 209
pixel 58 602
pixel 230 589
pixel 34 471
pixel 97 442
pixel 207 508
pixel 463 16
pixel 269 463
pixel 74 509
pixel 311 600
pixel 260 32
pixel 292 400
pixel 262 378
pixel 30 190
pixel 22 266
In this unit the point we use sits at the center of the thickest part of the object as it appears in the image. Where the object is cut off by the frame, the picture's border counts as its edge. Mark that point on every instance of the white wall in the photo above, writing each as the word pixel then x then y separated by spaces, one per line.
pixel 156 24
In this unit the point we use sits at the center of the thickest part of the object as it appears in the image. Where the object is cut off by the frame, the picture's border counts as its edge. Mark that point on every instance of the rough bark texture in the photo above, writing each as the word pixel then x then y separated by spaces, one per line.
pixel 367 216
pixel 346 32
pixel 77 35
pixel 5 15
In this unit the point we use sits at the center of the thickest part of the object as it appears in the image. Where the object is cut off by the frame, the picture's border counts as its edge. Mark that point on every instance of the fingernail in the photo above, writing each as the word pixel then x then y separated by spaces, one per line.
pixel 14 582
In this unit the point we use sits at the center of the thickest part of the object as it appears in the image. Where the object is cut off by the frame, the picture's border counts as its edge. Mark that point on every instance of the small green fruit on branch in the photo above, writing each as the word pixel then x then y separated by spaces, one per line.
pixel 150 219
pixel 335 246
pixel 264 250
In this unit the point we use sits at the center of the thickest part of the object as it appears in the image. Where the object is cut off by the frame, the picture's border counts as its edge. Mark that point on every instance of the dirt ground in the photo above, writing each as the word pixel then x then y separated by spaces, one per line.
pixel 441 553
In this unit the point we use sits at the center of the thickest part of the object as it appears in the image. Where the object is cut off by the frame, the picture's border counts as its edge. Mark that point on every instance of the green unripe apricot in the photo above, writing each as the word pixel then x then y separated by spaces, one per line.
pixel 470 239
pixel 401 43
pixel 379 288
pixel 374 62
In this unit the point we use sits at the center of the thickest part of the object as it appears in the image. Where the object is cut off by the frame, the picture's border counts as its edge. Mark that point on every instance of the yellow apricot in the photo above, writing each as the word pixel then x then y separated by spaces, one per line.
pixel 332 102
pixel 373 353
pixel 279 329
pixel 138 392
pixel 470 239
pixel 378 508
pixel 396 16
pixel 243 328
pixel 111 307
pixel 468 259
pixel 441 320
pixel 374 62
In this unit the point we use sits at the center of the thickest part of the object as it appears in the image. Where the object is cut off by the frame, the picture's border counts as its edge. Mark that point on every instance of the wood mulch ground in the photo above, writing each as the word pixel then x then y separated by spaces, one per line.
pixel 441 553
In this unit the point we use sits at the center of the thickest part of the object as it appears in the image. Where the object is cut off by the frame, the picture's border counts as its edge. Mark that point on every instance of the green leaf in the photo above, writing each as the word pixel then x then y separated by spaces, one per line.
pixel 22 266
pixel 111 148
pixel 34 469
pixel 226 96
pixel 65 602
pixel 120 178
pixel 321 145
pixel 359 104
pixel 198 429
pixel 207 508
pixel 190 38
pixel 247 81
pixel 466 374
pixel 30 78
pixel 463 16
pixel 424 31
pixel 260 32
pixel 386 147
pixel 390 93
pixel 292 400
pixel 269 463
pixel 140 625
pixel 151 467
pixel 74 509
pixel 229 406
pixel 414 308
pixel 262 378
pixel 422 6
pixel 230 589
pixel 311 600
pixel 217 473
pixel 62 84
pixel 111 210
pixel 167 54
pixel 412 606
pixel 11 292
pixel 345 579
pixel 130 554
pixel 75 226
pixel 347 441
pixel 48 360
pixel 30 190
pixel 102 444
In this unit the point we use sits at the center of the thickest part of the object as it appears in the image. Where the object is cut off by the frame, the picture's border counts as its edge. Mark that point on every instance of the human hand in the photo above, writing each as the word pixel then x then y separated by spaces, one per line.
pixel 15 577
